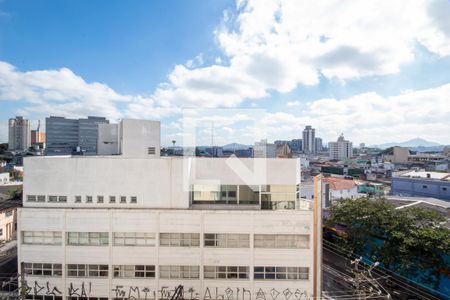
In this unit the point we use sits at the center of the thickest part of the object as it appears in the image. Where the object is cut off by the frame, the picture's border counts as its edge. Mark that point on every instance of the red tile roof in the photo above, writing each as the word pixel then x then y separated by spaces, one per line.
pixel 339 183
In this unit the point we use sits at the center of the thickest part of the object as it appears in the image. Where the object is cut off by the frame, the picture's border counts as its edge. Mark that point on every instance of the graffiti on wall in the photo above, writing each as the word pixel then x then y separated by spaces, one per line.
pixel 165 292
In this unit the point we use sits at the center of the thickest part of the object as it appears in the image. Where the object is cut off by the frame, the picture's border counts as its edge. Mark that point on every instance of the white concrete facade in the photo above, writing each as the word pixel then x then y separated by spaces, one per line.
pixel 158 221
pixel 68 198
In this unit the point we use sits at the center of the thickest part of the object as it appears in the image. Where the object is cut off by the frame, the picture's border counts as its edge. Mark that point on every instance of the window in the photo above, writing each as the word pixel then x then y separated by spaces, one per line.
pixel 179 239
pixel 62 199
pixel 283 241
pixel 41 237
pixel 39 269
pixel 77 199
pixel 134 271
pixel 281 273
pixel 52 198
pixel 444 188
pixel 225 272
pixel 1 231
pixel 134 239
pixel 176 272
pixel 41 198
pixel 227 240
pixel 88 199
pixel 248 194
pixel 424 186
pixel 151 150
pixel 87 238
pixel 99 199
pixel 112 199
pixel 74 270
pixel 31 198
pixel 133 199
pixel 8 213
pixel 123 199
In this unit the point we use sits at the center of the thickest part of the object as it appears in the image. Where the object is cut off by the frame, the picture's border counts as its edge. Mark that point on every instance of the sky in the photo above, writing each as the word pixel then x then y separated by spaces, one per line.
pixel 376 71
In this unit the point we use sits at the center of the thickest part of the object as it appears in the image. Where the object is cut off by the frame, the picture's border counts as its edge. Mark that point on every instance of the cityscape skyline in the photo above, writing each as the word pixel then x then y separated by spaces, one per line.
pixel 321 76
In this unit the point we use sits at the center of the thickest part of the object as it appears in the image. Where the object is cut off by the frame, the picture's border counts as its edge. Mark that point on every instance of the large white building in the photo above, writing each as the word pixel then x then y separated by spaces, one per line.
pixel 19 134
pixel 341 149
pixel 134 227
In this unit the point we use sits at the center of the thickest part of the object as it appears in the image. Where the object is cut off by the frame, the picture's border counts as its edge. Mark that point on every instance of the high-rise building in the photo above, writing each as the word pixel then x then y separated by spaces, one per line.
pixel 341 149
pixel 318 144
pixel 19 137
pixel 69 136
pixel 133 227
pixel 309 140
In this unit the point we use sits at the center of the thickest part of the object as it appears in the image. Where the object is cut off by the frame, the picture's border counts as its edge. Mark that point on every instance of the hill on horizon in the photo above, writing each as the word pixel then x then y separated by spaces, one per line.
pixel 413 143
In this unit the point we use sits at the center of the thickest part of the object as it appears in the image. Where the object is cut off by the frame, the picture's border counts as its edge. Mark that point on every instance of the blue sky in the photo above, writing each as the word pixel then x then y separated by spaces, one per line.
pixel 376 72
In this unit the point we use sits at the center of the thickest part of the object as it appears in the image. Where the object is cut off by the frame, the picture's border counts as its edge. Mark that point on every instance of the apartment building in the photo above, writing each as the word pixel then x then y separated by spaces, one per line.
pixel 19 137
pixel 134 227
pixel 341 149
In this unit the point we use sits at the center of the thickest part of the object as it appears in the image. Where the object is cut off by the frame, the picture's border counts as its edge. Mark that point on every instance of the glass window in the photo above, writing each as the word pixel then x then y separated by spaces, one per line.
pixel 227 240
pixel 281 241
pixel 112 199
pixel 39 269
pixel 41 237
pixel 225 272
pixel 281 273
pixel 77 199
pixel 204 194
pixel 41 198
pixel 52 198
pixel 179 272
pixel 88 199
pixel 62 198
pixel 134 239
pixel 179 239
pixel 134 271
pixel 133 199
pixel 99 199
pixel 87 238
pixel 31 198
pixel 79 270
pixel 249 194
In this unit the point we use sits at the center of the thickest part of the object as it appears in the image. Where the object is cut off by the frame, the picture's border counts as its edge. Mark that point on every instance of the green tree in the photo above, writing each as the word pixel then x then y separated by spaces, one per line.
pixel 410 241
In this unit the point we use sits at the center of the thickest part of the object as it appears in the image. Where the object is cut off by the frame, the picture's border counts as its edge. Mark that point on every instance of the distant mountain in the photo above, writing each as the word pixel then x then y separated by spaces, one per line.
pixel 414 143
pixel 235 146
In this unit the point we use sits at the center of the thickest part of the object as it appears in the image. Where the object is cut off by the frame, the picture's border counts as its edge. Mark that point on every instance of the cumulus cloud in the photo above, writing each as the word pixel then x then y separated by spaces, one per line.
pixel 277 45
pixel 371 118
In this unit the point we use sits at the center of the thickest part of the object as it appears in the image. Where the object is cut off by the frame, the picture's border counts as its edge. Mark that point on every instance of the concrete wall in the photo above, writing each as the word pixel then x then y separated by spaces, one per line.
pixel 137 136
pixel 157 183
pixel 420 187
pixel 108 139
pixel 156 221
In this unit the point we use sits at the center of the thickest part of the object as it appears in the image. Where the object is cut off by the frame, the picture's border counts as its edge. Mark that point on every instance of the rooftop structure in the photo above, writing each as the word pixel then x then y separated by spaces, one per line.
pixel 421 184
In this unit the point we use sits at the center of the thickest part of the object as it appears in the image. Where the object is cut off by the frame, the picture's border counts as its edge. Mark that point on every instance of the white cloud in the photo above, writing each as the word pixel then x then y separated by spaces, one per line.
pixel 278 45
pixel 293 104
pixel 371 118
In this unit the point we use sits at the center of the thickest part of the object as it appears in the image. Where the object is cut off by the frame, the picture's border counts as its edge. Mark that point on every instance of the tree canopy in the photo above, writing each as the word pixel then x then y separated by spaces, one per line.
pixel 411 241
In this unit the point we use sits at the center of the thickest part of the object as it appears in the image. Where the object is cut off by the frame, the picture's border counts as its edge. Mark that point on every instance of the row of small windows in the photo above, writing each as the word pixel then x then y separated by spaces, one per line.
pixel 168 271
pixel 79 199
pixel 210 240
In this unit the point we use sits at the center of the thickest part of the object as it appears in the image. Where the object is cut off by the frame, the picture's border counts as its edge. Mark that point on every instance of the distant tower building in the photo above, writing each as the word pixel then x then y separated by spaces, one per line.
pixel 319 146
pixel 341 149
pixel 295 145
pixel 309 140
pixel 68 136
pixel 19 134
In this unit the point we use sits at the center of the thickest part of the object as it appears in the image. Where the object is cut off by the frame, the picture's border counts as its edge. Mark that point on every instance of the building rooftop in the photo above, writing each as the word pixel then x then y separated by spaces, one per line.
pixel 427 175
pixel 339 183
